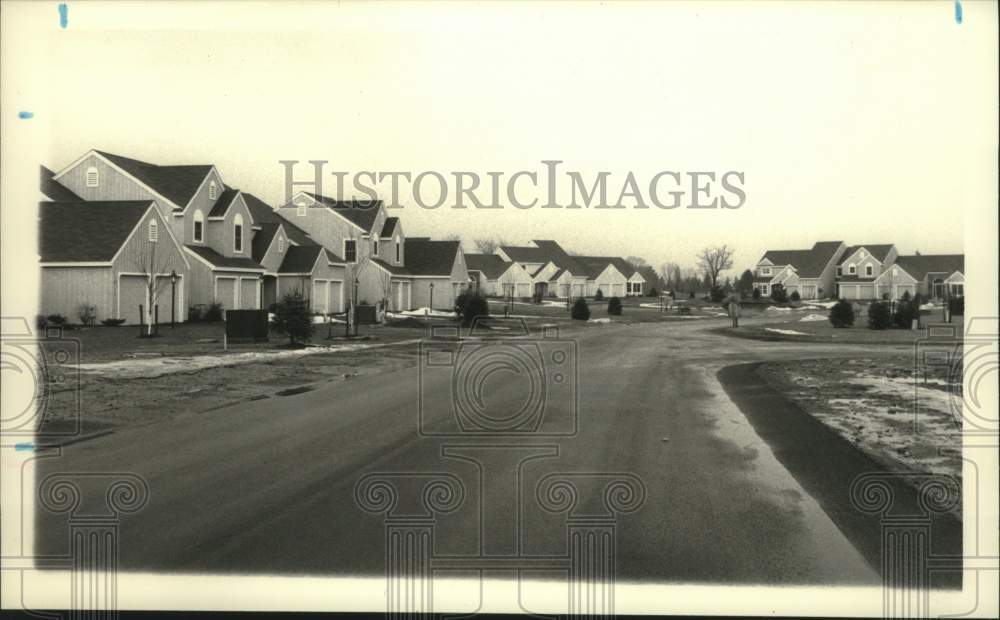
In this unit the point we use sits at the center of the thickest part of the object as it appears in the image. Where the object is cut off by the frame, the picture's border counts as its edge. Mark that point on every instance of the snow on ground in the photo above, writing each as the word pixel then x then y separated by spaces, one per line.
pixel 601 320
pixel 777 309
pixel 789 332
pixel 813 317
pixel 423 312
pixel 650 305
pixel 820 304
pixel 149 368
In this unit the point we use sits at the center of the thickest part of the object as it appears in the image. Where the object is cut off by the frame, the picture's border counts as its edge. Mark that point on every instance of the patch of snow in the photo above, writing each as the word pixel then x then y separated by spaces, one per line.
pixel 601 320
pixel 657 306
pixel 789 332
pixel 813 317
pixel 152 368
pixel 426 312
pixel 820 304
pixel 777 309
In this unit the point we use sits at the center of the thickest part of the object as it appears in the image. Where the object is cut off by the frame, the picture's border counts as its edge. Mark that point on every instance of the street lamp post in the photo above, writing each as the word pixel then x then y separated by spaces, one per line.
pixel 432 298
pixel 173 298
pixel 354 313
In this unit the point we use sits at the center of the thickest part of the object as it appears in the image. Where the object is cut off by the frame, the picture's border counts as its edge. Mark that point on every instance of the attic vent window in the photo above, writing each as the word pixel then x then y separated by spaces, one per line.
pixel 281 245
pixel 93 177
pixel 153 232
pixel 213 191
pixel 300 208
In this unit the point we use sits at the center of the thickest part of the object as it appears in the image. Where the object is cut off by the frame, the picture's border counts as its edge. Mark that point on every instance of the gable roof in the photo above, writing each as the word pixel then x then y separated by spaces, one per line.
pixel 525 254
pixel 221 205
pixel 263 213
pixel 491 265
pixel 361 213
pixel 178 184
pixel 81 231
pixel 807 263
pixel 262 239
pixel 879 251
pixel 300 259
pixel 396 270
pixel 430 258
pixel 389 228
pixel 560 257
pixel 54 190
pixel 595 265
pixel 919 266
pixel 223 262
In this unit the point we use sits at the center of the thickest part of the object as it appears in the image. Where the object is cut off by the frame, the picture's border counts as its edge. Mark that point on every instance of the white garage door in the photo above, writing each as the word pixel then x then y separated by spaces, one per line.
pixel 618 290
pixel 319 296
pixel 248 294
pixel 225 292
pixel 336 303
pixel 131 293
pixel 523 290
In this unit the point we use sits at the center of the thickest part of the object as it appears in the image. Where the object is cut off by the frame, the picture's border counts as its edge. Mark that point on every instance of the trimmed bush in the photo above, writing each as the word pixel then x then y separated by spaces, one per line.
pixel 879 315
pixel 195 313
pixel 291 317
pixel 691 296
pixel 56 319
pixel 755 294
pixel 842 314
pixel 907 310
pixel 214 311
pixel 652 292
pixel 599 295
pixel 778 293
pixel 956 306
pixel 795 296
pixel 684 310
pixel 469 305
pixel 716 295
pixel 580 310
pixel 536 298
pixel 113 322
pixel 87 314
pixel 614 307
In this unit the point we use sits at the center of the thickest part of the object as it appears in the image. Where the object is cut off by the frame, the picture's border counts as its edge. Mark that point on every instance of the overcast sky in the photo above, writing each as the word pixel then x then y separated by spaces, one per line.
pixel 860 122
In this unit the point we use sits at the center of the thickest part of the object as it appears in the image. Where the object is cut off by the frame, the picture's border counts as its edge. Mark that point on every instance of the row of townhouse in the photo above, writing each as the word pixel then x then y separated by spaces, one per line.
pixel 860 272
pixel 545 269
pixel 107 222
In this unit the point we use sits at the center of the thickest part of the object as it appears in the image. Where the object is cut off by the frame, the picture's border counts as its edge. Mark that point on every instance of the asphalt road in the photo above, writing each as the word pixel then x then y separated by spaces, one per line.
pixel 269 486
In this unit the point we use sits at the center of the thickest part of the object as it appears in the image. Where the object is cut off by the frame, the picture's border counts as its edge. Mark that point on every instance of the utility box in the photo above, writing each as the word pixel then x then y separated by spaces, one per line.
pixel 365 315
pixel 247 325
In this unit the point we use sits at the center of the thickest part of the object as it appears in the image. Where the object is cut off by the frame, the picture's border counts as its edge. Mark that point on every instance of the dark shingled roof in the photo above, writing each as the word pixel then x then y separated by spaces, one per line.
pixel 54 190
pixel 389 228
pixel 360 212
pixel 491 265
pixel 526 255
pixel 879 251
pixel 74 232
pixel 222 204
pixel 555 253
pixel 596 264
pixel 807 263
pixel 920 266
pixel 396 270
pixel 262 239
pixel 177 184
pixel 302 258
pixel 224 262
pixel 263 213
pixel 430 258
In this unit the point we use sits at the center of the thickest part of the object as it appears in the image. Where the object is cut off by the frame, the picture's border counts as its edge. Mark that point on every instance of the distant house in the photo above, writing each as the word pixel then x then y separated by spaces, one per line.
pixel 860 267
pixel 555 272
pixel 811 272
pixel 492 276
pixel 103 253
pixel 436 272
pixel 933 276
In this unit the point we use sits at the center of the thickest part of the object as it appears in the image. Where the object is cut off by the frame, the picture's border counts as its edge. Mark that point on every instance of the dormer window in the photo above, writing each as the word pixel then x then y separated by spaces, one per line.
pixel 851 269
pixel 300 208
pixel 869 270
pixel 213 191
pixel 93 177
pixel 199 226
pixel 154 233
pixel 238 234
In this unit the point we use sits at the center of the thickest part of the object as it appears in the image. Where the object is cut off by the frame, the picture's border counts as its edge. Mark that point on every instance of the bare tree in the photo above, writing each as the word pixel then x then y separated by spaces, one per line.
pixel 667 273
pixel 150 264
pixel 713 261
pixel 488 245
pixel 637 261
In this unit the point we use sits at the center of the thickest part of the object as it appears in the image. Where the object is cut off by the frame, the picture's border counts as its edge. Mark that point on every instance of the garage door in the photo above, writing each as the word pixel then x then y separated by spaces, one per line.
pixel 524 290
pixel 225 292
pixel 618 290
pixel 335 303
pixel 808 291
pixel 131 293
pixel 248 294
pixel 319 296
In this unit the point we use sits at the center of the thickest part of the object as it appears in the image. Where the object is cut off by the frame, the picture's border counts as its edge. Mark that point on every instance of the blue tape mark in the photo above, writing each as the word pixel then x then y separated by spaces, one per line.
pixel 958 12
pixel 63 15
pixel 24 447
pixel 25 115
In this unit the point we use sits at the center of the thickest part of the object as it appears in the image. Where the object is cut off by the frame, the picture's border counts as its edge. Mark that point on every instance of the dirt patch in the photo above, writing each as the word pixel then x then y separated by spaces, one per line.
pixel 906 418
